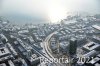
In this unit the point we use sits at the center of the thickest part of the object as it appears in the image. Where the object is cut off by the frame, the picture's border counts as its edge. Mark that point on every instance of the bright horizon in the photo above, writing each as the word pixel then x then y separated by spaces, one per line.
pixel 52 10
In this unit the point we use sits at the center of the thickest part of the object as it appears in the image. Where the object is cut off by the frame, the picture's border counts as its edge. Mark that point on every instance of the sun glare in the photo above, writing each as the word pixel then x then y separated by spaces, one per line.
pixel 56 12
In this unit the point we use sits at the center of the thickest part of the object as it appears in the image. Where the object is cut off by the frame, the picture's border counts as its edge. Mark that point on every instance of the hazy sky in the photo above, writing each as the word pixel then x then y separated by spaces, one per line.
pixel 46 9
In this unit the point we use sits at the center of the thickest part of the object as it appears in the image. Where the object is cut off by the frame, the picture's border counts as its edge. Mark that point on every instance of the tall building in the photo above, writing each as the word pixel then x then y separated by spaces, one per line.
pixel 72 46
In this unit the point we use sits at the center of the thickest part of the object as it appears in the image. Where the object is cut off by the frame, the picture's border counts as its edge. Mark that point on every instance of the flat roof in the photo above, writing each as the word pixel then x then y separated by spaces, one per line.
pixel 98 55
pixel 97 64
pixel 91 46
pixel 96 27
pixel 4 51
pixel 95 60
pixel 3 64
pixel 91 53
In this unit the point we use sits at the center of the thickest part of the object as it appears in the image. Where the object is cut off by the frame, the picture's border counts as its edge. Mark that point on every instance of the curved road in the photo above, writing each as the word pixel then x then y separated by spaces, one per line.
pixel 47 49
pixel 46 44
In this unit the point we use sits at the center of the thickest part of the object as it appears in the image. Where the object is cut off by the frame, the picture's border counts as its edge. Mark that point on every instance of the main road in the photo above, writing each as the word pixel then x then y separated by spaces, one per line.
pixel 47 49
pixel 46 45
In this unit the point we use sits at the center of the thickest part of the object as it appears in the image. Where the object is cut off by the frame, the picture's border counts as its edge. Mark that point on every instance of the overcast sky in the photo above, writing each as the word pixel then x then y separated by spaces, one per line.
pixel 40 8
pixel 32 6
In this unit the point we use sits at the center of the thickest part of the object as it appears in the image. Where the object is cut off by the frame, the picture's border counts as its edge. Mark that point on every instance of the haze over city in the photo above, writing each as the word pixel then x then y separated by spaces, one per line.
pixel 49 32
pixel 44 11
